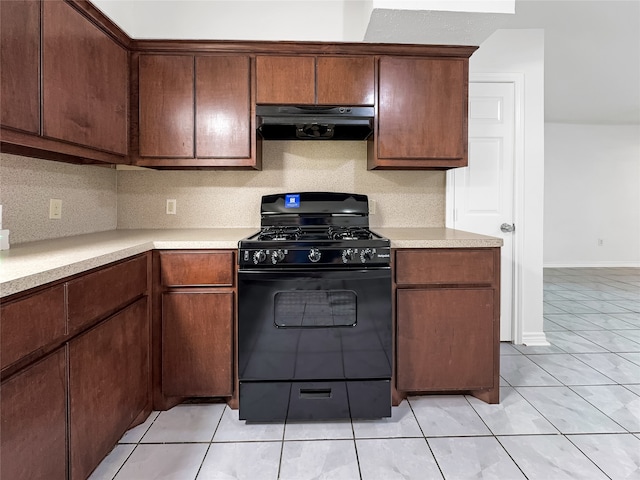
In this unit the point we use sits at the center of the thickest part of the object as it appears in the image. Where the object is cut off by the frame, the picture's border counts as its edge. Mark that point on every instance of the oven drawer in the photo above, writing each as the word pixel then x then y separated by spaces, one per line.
pixel 275 401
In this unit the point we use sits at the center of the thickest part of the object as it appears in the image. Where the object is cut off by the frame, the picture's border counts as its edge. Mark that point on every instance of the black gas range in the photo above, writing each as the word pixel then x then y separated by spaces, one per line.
pixel 314 311
pixel 318 229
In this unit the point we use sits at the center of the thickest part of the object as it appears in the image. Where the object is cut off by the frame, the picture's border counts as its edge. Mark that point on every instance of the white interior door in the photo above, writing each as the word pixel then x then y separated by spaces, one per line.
pixel 483 193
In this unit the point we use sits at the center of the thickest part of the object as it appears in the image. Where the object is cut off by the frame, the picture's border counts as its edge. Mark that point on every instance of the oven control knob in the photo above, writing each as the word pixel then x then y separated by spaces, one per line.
pixel 259 257
pixel 366 254
pixel 277 256
pixel 347 255
pixel 314 255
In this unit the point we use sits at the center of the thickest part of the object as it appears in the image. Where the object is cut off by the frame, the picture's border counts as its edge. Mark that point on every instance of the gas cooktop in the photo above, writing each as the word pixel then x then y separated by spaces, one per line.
pixel 314 228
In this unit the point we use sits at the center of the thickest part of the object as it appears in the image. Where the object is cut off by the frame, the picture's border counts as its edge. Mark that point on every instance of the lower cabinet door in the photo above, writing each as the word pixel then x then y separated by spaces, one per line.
pixel 33 409
pixel 197 337
pixel 109 385
pixel 445 339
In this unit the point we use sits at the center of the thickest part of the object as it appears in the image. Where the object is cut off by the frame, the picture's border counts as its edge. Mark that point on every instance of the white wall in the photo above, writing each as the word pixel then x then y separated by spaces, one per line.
pixel 509 53
pixel 592 191
pixel 300 20
pixel 497 6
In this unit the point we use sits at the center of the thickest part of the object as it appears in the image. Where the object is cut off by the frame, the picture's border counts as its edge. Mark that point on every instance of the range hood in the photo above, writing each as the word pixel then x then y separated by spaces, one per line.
pixel 286 122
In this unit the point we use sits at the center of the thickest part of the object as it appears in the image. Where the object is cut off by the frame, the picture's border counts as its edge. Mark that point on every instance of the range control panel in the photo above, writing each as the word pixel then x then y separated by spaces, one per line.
pixel 346 257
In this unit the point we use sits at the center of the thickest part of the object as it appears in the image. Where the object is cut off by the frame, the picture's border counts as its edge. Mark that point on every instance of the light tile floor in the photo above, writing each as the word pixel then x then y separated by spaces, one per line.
pixel 570 410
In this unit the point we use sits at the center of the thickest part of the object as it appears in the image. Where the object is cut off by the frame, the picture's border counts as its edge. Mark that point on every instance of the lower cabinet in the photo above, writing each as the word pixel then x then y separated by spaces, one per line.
pixel 194 295
pixel 74 379
pixel 33 408
pixel 196 343
pixel 108 385
pixel 445 339
pixel 448 321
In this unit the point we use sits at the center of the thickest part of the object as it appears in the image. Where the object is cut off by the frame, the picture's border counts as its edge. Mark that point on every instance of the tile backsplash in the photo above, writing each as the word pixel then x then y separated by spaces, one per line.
pixel 101 198
pixel 231 198
pixel 88 194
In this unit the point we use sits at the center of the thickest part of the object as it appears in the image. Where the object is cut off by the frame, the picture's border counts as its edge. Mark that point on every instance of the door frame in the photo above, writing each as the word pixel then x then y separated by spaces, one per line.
pixel 517 79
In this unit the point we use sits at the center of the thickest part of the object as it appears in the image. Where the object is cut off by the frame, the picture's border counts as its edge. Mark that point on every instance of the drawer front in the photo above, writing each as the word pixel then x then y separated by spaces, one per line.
pixel 105 291
pixel 197 268
pixel 31 323
pixel 446 267
pixel 277 401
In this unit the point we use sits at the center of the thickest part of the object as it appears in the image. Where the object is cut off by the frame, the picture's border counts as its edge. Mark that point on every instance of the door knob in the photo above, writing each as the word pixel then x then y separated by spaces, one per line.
pixel 507 227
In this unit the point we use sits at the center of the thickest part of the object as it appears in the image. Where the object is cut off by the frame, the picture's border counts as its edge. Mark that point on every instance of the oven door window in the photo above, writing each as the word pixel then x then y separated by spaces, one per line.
pixel 315 308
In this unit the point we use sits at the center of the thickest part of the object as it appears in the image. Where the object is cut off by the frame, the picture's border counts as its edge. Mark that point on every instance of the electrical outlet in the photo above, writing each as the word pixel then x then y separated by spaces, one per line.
pixel 372 207
pixel 600 242
pixel 171 206
pixel 55 208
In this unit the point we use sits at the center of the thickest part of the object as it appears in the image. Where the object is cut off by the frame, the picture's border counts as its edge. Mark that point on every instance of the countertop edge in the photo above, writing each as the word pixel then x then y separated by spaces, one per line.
pixel 33 265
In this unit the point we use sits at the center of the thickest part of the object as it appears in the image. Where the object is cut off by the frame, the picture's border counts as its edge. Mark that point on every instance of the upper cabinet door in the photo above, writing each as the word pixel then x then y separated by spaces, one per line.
pixel 85 81
pixel 422 112
pixel 223 107
pixel 315 80
pixel 345 80
pixel 20 59
pixel 285 80
pixel 166 106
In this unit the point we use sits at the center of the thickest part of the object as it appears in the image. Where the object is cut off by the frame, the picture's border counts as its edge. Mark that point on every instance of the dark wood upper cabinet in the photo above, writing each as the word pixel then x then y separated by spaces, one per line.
pixel 286 80
pixel 223 107
pixel 194 111
pixel 76 88
pixel 84 81
pixel 20 59
pixel 422 113
pixel 310 80
pixel 345 80
pixel 166 106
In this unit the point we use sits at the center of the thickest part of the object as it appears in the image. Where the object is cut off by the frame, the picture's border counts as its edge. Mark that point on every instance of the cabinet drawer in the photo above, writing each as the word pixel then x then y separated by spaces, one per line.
pixel 446 267
pixel 197 268
pixel 31 323
pixel 100 293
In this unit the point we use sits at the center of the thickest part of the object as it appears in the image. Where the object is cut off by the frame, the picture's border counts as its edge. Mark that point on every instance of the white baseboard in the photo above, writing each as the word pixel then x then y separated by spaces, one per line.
pixel 591 264
pixel 535 339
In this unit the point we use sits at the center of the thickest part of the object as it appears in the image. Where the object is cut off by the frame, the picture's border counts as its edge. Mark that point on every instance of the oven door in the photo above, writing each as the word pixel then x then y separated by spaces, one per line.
pixel 302 325
pixel 324 333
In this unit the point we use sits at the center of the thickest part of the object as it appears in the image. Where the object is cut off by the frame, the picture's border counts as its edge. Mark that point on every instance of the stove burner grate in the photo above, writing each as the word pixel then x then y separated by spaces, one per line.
pixel 349 233
pixel 280 233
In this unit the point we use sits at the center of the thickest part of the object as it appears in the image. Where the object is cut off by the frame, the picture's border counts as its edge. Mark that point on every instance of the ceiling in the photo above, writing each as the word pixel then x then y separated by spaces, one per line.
pixel 592 47
pixel 591 58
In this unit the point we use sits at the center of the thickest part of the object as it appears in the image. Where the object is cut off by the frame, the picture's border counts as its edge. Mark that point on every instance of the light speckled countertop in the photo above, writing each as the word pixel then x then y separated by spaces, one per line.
pixel 33 264
pixel 436 238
